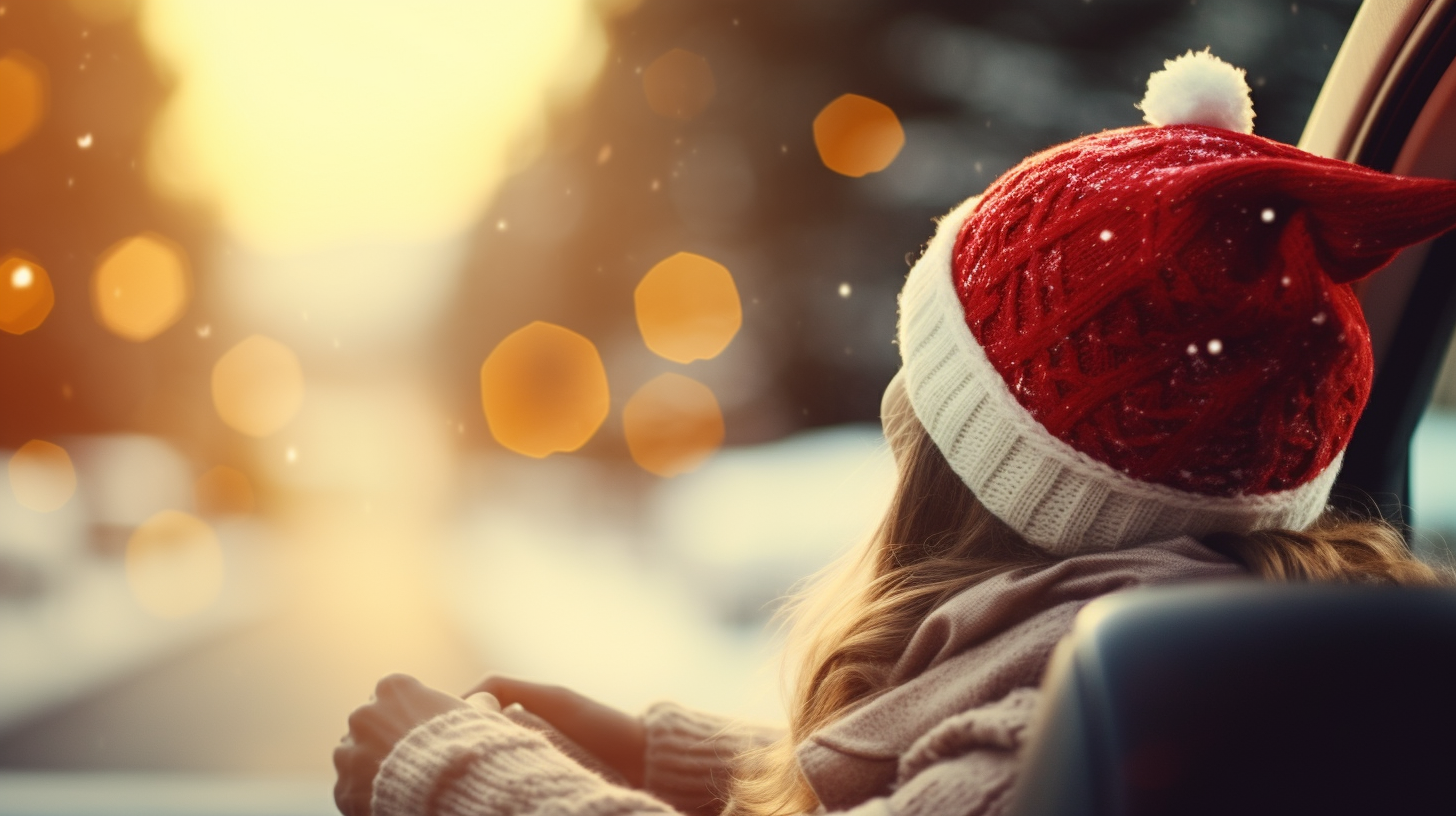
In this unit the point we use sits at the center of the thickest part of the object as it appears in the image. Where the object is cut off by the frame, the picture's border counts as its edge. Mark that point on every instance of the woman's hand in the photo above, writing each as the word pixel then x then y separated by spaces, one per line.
pixel 400 703
pixel 616 738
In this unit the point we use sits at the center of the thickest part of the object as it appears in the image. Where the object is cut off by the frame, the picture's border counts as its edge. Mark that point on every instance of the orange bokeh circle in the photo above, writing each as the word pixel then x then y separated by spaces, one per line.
pixel 544 390
pixel 688 308
pixel 856 135
pixel 26 295
pixel 22 98
pixel 672 424
pixel 141 286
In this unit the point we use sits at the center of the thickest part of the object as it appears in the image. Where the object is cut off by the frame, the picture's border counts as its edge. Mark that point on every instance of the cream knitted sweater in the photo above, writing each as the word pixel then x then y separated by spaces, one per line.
pixel 943 740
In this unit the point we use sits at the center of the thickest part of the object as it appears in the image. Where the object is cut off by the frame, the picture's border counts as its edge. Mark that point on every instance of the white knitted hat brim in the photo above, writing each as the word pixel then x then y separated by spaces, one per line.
pixel 1052 494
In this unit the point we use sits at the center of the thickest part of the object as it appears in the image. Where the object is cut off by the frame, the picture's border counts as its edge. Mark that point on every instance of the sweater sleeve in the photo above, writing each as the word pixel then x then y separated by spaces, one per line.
pixel 690 754
pixel 469 762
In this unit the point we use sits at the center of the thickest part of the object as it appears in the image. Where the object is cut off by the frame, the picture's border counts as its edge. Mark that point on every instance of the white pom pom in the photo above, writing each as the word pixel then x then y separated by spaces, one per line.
pixel 1199 89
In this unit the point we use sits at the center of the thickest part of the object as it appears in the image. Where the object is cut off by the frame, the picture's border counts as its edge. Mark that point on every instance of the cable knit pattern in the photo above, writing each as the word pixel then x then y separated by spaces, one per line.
pixel 979 783
pixel 469 762
pixel 943 740
pixel 1002 725
pixel 1054 495
pixel 1174 301
pixel 689 754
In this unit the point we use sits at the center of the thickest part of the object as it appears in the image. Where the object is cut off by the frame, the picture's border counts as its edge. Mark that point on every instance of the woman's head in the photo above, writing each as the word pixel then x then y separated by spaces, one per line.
pixel 1151 332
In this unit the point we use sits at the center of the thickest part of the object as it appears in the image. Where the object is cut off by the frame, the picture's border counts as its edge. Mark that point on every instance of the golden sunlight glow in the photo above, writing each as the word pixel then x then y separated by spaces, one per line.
pixel 141 286
pixel 22 98
pixel 544 390
pixel 174 564
pixel 257 386
pixel 679 84
pixel 26 295
pixel 319 122
pixel 225 491
pixel 673 424
pixel 105 12
pixel 856 135
pixel 688 308
pixel 42 476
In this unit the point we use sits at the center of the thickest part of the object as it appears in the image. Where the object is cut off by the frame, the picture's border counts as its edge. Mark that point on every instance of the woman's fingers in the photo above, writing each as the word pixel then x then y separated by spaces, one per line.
pixel 356 769
pixel 399 704
pixel 558 705
pixel 614 736
pixel 510 690
pixel 521 716
pixel 365 726
pixel 483 700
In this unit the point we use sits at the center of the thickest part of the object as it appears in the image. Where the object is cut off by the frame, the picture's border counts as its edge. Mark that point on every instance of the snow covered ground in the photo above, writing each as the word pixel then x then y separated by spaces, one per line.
pixel 1433 483
pixel 70 621
pixel 577 573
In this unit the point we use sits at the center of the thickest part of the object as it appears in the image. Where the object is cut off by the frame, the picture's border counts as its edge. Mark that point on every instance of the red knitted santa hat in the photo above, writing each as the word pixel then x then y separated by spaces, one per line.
pixel 1150 332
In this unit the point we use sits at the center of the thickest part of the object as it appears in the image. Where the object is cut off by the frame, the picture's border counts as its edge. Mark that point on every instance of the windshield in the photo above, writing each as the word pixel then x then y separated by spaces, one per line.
pixel 346 338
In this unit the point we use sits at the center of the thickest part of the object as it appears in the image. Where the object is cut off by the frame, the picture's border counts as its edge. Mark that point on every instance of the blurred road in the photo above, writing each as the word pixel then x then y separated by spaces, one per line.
pixel 355 599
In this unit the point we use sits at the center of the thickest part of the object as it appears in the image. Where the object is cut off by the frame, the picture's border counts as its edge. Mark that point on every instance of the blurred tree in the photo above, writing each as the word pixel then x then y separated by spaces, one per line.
pixel 73 188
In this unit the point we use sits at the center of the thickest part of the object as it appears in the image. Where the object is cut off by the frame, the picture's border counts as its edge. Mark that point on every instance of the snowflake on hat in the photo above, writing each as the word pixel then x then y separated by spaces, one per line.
pixel 1150 331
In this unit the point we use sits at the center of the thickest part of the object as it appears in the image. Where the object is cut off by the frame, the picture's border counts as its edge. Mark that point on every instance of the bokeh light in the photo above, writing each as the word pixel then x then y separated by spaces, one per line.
pixel 377 119
pixel 673 424
pixel 26 295
pixel 42 476
pixel 856 135
pixel 22 98
pixel 688 308
pixel 141 286
pixel 174 564
pixel 679 84
pixel 544 390
pixel 257 386
pixel 225 491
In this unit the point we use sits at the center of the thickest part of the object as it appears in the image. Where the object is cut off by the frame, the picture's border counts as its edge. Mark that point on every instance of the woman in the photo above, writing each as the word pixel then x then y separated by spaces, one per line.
pixel 1135 360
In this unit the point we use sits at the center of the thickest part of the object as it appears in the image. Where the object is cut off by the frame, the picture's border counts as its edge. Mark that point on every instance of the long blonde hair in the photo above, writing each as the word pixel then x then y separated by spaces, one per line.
pixel 852 622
